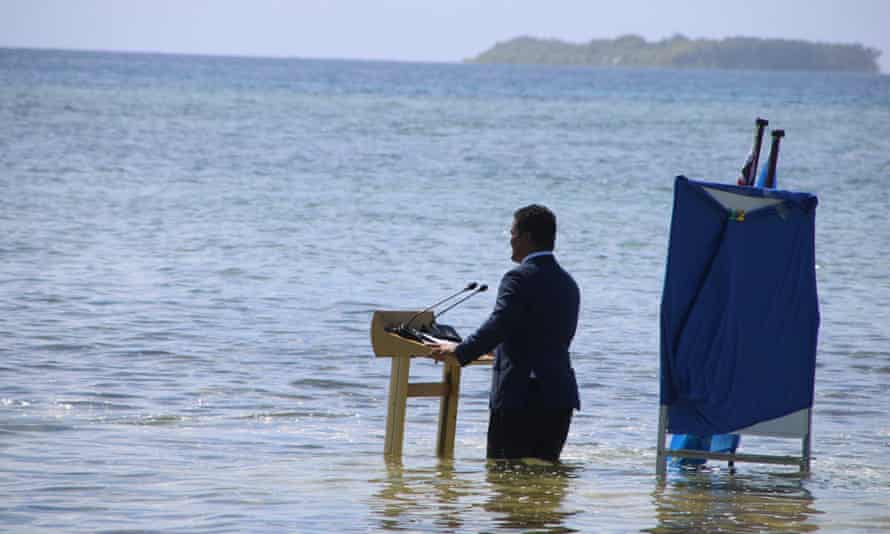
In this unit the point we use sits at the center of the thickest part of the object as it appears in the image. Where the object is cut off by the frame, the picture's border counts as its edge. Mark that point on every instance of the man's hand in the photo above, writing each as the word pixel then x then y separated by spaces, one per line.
pixel 443 351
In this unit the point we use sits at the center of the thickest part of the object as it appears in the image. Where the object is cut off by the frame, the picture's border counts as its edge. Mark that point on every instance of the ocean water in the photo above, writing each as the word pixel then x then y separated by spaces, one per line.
pixel 191 249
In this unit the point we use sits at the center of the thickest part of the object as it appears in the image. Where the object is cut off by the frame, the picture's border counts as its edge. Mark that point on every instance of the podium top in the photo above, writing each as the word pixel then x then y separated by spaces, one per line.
pixel 390 345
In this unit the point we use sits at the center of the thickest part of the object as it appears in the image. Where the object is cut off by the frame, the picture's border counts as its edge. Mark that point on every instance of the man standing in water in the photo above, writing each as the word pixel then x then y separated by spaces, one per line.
pixel 533 390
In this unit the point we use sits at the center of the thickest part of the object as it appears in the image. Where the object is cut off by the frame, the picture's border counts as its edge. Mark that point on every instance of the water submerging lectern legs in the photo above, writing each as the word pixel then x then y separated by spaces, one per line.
pixel 401 350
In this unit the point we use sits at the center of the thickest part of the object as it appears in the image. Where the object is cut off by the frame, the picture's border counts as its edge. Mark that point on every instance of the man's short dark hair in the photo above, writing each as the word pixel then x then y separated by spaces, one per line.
pixel 540 222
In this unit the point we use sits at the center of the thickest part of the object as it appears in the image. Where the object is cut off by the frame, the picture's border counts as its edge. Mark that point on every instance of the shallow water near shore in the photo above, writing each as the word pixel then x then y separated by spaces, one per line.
pixel 192 248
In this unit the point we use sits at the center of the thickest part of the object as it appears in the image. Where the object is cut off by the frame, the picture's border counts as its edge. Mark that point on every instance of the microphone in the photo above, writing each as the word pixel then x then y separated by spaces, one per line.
pixel 481 289
pixel 471 286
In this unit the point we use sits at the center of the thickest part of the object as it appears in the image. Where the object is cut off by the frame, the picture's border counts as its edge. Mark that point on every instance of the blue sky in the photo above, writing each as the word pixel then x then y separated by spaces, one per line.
pixel 418 30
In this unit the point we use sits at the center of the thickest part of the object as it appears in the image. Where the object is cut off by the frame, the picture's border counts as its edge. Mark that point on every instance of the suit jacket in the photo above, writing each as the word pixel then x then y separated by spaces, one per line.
pixel 530 329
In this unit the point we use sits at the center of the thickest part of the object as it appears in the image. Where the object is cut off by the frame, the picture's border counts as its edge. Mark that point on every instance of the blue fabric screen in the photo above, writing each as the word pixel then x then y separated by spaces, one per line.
pixel 739 311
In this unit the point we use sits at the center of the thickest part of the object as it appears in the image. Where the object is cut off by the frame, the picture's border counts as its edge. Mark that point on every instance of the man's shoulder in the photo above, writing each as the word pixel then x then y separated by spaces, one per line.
pixel 521 270
pixel 548 271
pixel 530 271
pixel 542 266
pixel 517 273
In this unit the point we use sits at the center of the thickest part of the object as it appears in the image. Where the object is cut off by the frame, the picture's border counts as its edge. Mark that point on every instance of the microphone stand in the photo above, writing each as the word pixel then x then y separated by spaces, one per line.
pixel 471 286
pixel 482 288
pixel 405 330
pixel 447 332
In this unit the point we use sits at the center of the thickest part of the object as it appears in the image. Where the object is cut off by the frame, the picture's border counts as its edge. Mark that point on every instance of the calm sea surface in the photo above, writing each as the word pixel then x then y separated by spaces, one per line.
pixel 191 249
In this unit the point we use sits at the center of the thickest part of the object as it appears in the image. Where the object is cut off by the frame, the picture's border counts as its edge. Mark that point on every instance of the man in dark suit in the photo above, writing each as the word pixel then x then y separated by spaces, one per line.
pixel 533 390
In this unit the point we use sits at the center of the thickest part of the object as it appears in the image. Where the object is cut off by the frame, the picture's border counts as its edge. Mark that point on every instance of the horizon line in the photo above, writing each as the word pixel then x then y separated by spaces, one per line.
pixel 229 55
pixel 466 61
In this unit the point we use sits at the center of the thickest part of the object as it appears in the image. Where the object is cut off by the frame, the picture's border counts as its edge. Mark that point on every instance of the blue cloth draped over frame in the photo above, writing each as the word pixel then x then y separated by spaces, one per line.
pixel 739 311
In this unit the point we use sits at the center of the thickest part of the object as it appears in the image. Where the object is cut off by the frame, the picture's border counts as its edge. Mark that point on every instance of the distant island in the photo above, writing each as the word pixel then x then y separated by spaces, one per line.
pixel 682 52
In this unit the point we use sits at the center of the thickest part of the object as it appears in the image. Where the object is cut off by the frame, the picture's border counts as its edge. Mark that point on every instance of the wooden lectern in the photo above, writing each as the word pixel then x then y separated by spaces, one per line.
pixel 401 350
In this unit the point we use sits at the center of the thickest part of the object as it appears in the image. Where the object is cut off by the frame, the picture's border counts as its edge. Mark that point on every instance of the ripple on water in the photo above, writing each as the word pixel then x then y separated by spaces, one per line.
pixel 34 426
pixel 93 405
pixel 148 420
pixel 329 384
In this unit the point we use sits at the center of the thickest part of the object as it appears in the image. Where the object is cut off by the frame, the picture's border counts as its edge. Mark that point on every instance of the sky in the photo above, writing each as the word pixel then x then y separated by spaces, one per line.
pixel 420 30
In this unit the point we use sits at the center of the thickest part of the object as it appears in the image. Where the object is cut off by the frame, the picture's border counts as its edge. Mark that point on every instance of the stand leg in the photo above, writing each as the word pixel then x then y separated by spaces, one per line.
pixel 448 411
pixel 805 452
pixel 805 445
pixel 398 397
pixel 660 459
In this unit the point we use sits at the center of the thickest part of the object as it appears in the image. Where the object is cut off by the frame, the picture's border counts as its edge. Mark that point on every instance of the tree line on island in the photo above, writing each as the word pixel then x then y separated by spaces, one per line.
pixel 682 52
